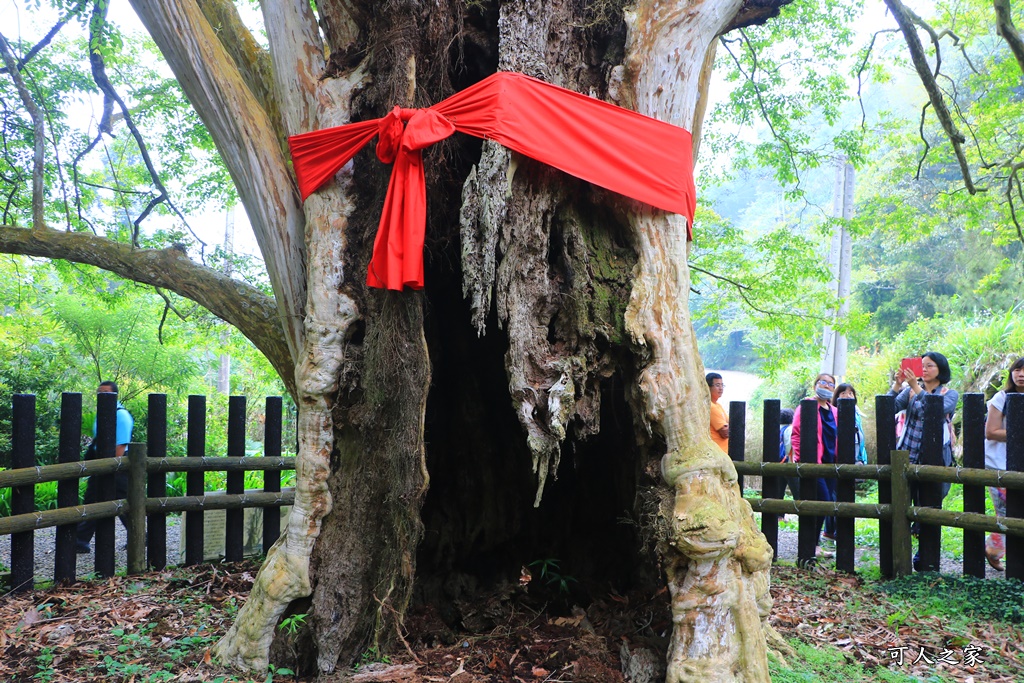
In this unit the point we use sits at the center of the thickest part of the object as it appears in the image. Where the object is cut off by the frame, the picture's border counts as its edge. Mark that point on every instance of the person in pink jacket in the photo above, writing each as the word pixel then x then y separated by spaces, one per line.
pixel 828 421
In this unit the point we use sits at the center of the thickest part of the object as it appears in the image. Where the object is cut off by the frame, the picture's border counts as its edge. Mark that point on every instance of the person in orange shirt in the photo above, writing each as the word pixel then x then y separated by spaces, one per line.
pixel 719 418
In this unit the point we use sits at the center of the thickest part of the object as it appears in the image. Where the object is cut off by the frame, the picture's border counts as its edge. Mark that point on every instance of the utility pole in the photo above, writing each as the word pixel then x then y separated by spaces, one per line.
pixel 839 258
pixel 224 371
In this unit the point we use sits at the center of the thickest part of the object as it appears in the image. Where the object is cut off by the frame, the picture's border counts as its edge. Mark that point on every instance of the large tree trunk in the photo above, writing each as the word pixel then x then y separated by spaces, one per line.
pixel 717 561
pixel 580 297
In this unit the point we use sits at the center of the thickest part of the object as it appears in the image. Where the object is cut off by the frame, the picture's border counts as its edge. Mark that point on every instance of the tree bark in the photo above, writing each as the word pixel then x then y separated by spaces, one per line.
pixel 583 297
pixel 248 143
pixel 717 561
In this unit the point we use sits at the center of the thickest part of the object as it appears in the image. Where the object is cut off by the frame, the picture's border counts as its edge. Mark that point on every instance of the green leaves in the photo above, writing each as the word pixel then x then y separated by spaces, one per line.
pixel 773 286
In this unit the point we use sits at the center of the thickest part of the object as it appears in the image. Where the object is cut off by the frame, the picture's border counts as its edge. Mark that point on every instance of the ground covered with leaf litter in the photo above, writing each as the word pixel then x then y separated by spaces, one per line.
pixel 160 626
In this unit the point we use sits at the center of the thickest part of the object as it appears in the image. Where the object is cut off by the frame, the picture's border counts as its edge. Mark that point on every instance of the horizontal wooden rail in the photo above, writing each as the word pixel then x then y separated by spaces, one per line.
pixel 820 508
pixel 221 464
pixel 233 501
pixel 967 520
pixel 69 470
pixel 47 518
pixel 814 470
pixel 73 470
pixel 960 475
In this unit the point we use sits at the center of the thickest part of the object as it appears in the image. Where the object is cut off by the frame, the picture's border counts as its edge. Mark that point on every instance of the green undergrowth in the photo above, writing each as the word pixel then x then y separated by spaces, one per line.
pixel 871 619
pixel 958 598
pixel 816 663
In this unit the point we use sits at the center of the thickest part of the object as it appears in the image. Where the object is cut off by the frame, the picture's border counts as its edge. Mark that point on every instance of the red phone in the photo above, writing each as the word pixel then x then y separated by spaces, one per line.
pixel 912 363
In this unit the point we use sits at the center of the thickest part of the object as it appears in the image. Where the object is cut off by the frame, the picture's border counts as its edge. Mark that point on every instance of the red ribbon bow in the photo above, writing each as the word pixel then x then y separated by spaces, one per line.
pixel 617 149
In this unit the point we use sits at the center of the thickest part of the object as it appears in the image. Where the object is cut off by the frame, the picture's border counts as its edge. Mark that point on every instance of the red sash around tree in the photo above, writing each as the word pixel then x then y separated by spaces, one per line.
pixel 615 148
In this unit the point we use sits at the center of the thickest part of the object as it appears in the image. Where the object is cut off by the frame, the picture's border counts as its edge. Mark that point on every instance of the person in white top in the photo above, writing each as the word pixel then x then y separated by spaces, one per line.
pixel 995 456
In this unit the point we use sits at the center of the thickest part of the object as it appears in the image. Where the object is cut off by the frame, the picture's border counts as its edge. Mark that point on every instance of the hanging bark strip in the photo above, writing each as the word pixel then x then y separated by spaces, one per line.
pixel 617 149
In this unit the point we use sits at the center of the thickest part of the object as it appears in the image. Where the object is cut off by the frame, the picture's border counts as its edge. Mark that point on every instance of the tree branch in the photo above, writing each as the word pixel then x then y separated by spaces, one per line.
pixel 168 306
pixel 924 139
pixel 99 75
pixel 1008 32
pixel 760 99
pixel 47 38
pixel 743 290
pixel 247 142
pixel 1010 183
pixel 860 72
pixel 906 20
pixel 297 52
pixel 756 12
pixel 254 314
pixel 38 134
pixel 253 61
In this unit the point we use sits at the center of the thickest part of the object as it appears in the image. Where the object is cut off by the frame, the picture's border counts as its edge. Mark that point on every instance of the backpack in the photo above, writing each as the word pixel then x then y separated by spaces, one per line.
pixel 782 441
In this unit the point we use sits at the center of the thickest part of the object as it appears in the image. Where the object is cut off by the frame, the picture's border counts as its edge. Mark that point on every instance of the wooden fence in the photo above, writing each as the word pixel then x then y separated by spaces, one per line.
pixel 894 472
pixel 146 506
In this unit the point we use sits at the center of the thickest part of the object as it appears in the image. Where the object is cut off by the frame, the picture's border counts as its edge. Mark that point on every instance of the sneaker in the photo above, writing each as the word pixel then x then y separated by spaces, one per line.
pixel 829 536
pixel 822 552
pixel 82 548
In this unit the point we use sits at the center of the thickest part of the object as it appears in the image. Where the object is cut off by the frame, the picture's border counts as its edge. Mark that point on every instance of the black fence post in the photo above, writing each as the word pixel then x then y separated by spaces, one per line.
pixel 737 434
pixel 68 450
pixel 195 482
pixel 885 444
pixel 770 485
pixel 23 498
pixel 272 480
pixel 809 526
pixel 136 525
pixel 105 486
pixel 845 444
pixel 973 437
pixel 930 494
pixel 234 541
pixel 1014 412
pixel 156 485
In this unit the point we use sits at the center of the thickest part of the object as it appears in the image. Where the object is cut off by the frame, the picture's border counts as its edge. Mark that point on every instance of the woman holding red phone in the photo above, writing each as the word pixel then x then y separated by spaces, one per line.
pixel 934 377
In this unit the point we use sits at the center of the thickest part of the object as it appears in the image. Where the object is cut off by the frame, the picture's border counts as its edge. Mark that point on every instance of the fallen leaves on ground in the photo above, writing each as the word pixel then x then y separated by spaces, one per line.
pixel 838 616
pixel 161 626
pixel 120 628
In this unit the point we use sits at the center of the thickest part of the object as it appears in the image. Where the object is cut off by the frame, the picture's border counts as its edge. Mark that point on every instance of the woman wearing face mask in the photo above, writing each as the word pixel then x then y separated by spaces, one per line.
pixel 828 419
pixel 860 451
pixel 995 455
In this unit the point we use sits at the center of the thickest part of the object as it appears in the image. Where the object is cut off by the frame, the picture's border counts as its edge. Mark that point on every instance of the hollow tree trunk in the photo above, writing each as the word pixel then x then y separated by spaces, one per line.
pixel 581 296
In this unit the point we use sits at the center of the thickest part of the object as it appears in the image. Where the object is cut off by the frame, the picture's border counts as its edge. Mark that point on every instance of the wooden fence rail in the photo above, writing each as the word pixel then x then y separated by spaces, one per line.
pixel 147 504
pixel 145 508
pixel 895 511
